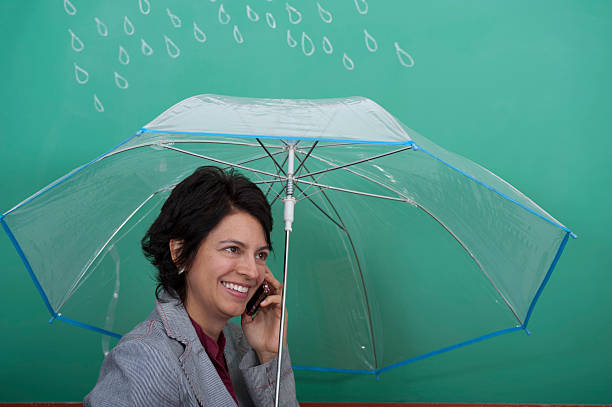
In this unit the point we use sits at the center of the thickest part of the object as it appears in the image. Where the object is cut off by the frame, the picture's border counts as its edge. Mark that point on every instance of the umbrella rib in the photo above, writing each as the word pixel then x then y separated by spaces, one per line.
pixel 340 144
pixel 259 158
pixel 469 252
pixel 304 196
pixel 278 195
pixel 280 169
pixel 337 167
pixel 322 210
pixel 273 181
pixel 368 178
pixel 352 191
pixel 306 158
pixel 278 166
pixel 269 181
pixel 157 143
pixel 221 161
pixel 348 235
pixel 407 199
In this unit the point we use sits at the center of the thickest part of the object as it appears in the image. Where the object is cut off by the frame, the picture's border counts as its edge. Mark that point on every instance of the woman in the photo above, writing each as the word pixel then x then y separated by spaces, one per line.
pixel 209 244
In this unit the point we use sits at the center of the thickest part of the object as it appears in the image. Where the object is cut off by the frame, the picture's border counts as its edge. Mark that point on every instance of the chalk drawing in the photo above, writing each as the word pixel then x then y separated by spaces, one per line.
pixel 290 40
pixel 308 47
pixel 120 81
pixel 174 19
pixel 270 20
pixel 324 14
pixel 251 14
pixel 370 42
pixel 362 6
pixel 223 17
pixel 144 6
pixel 124 58
pixel 327 46
pixel 198 34
pixel 348 62
pixel 145 48
pixel 69 7
pixel 404 58
pixel 102 28
pixel 76 42
pixel 171 47
pixel 81 75
pixel 294 16
pixel 128 27
pixel 238 35
pixel 98 104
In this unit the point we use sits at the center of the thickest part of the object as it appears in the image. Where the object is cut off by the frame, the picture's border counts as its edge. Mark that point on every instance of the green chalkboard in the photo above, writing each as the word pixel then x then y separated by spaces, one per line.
pixel 521 87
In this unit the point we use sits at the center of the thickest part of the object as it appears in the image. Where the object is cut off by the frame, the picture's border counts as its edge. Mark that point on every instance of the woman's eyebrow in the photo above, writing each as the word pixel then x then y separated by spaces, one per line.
pixel 236 242
pixel 241 244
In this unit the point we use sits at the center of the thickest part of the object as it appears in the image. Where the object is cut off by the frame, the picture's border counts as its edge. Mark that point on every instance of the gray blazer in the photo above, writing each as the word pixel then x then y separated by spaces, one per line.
pixel 161 362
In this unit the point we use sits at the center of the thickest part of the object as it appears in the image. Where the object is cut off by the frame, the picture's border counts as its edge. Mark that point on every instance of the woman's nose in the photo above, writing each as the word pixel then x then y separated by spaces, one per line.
pixel 248 267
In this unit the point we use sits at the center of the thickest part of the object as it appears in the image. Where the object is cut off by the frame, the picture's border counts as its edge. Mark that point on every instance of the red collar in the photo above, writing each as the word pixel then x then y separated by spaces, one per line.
pixel 214 350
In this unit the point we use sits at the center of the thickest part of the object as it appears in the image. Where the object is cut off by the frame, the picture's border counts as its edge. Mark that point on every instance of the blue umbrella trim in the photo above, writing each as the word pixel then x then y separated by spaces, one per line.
pixel 84 325
pixel 546 278
pixel 411 360
pixel 25 261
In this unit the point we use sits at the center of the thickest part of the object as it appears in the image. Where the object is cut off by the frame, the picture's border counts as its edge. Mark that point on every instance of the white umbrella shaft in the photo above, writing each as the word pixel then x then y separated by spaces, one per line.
pixel 289 202
pixel 282 322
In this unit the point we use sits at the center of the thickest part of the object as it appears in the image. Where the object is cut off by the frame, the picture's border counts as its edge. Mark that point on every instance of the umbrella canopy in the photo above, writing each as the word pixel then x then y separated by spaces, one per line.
pixel 400 249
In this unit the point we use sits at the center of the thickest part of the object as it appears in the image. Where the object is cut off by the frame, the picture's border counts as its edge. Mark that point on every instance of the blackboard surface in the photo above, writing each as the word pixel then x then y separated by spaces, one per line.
pixel 520 87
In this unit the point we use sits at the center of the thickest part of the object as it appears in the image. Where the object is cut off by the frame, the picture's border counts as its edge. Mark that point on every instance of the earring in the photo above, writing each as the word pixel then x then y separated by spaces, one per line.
pixel 181 270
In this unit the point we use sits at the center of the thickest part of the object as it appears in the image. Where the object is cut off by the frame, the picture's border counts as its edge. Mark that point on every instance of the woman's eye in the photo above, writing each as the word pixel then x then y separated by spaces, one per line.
pixel 231 249
pixel 262 256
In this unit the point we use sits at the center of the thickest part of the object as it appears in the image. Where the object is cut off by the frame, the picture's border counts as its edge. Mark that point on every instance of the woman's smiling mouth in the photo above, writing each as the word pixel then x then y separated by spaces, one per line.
pixel 238 289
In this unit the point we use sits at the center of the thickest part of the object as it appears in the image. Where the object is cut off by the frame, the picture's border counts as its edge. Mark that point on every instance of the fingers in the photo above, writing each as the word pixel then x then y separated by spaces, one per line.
pixel 274 299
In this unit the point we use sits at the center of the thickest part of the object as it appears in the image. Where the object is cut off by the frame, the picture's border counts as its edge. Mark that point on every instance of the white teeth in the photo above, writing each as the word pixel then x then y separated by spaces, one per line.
pixel 235 287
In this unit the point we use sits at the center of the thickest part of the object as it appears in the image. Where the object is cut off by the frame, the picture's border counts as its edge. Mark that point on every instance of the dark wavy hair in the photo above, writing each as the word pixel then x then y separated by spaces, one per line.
pixel 195 206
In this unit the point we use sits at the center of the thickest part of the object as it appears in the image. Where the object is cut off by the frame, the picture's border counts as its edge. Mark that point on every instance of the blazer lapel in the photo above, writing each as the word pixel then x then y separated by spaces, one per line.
pixel 201 374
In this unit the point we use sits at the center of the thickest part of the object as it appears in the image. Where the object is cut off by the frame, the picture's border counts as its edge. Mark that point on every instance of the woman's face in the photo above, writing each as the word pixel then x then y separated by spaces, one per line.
pixel 228 268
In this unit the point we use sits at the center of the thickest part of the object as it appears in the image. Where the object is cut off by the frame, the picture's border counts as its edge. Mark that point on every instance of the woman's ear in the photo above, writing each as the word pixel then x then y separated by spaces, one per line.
pixel 175 249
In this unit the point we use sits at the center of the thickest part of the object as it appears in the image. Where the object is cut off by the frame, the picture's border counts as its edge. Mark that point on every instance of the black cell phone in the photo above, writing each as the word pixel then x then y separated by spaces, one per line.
pixel 262 292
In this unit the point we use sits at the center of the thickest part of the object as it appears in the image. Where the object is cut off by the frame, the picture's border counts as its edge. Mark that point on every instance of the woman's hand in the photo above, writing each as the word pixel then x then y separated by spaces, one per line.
pixel 262 331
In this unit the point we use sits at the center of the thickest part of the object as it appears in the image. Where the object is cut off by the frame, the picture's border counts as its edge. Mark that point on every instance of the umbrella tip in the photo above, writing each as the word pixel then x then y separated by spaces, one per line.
pixel 55 315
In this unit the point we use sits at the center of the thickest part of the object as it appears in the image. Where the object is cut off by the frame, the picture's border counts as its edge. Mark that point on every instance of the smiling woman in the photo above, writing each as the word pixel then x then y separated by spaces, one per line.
pixel 210 244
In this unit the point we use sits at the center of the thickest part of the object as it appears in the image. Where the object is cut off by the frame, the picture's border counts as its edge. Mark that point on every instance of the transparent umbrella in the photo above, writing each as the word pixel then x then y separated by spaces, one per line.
pixel 400 250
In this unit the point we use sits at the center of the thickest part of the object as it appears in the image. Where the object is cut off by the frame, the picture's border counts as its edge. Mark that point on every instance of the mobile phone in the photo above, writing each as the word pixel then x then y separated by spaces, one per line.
pixel 262 292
